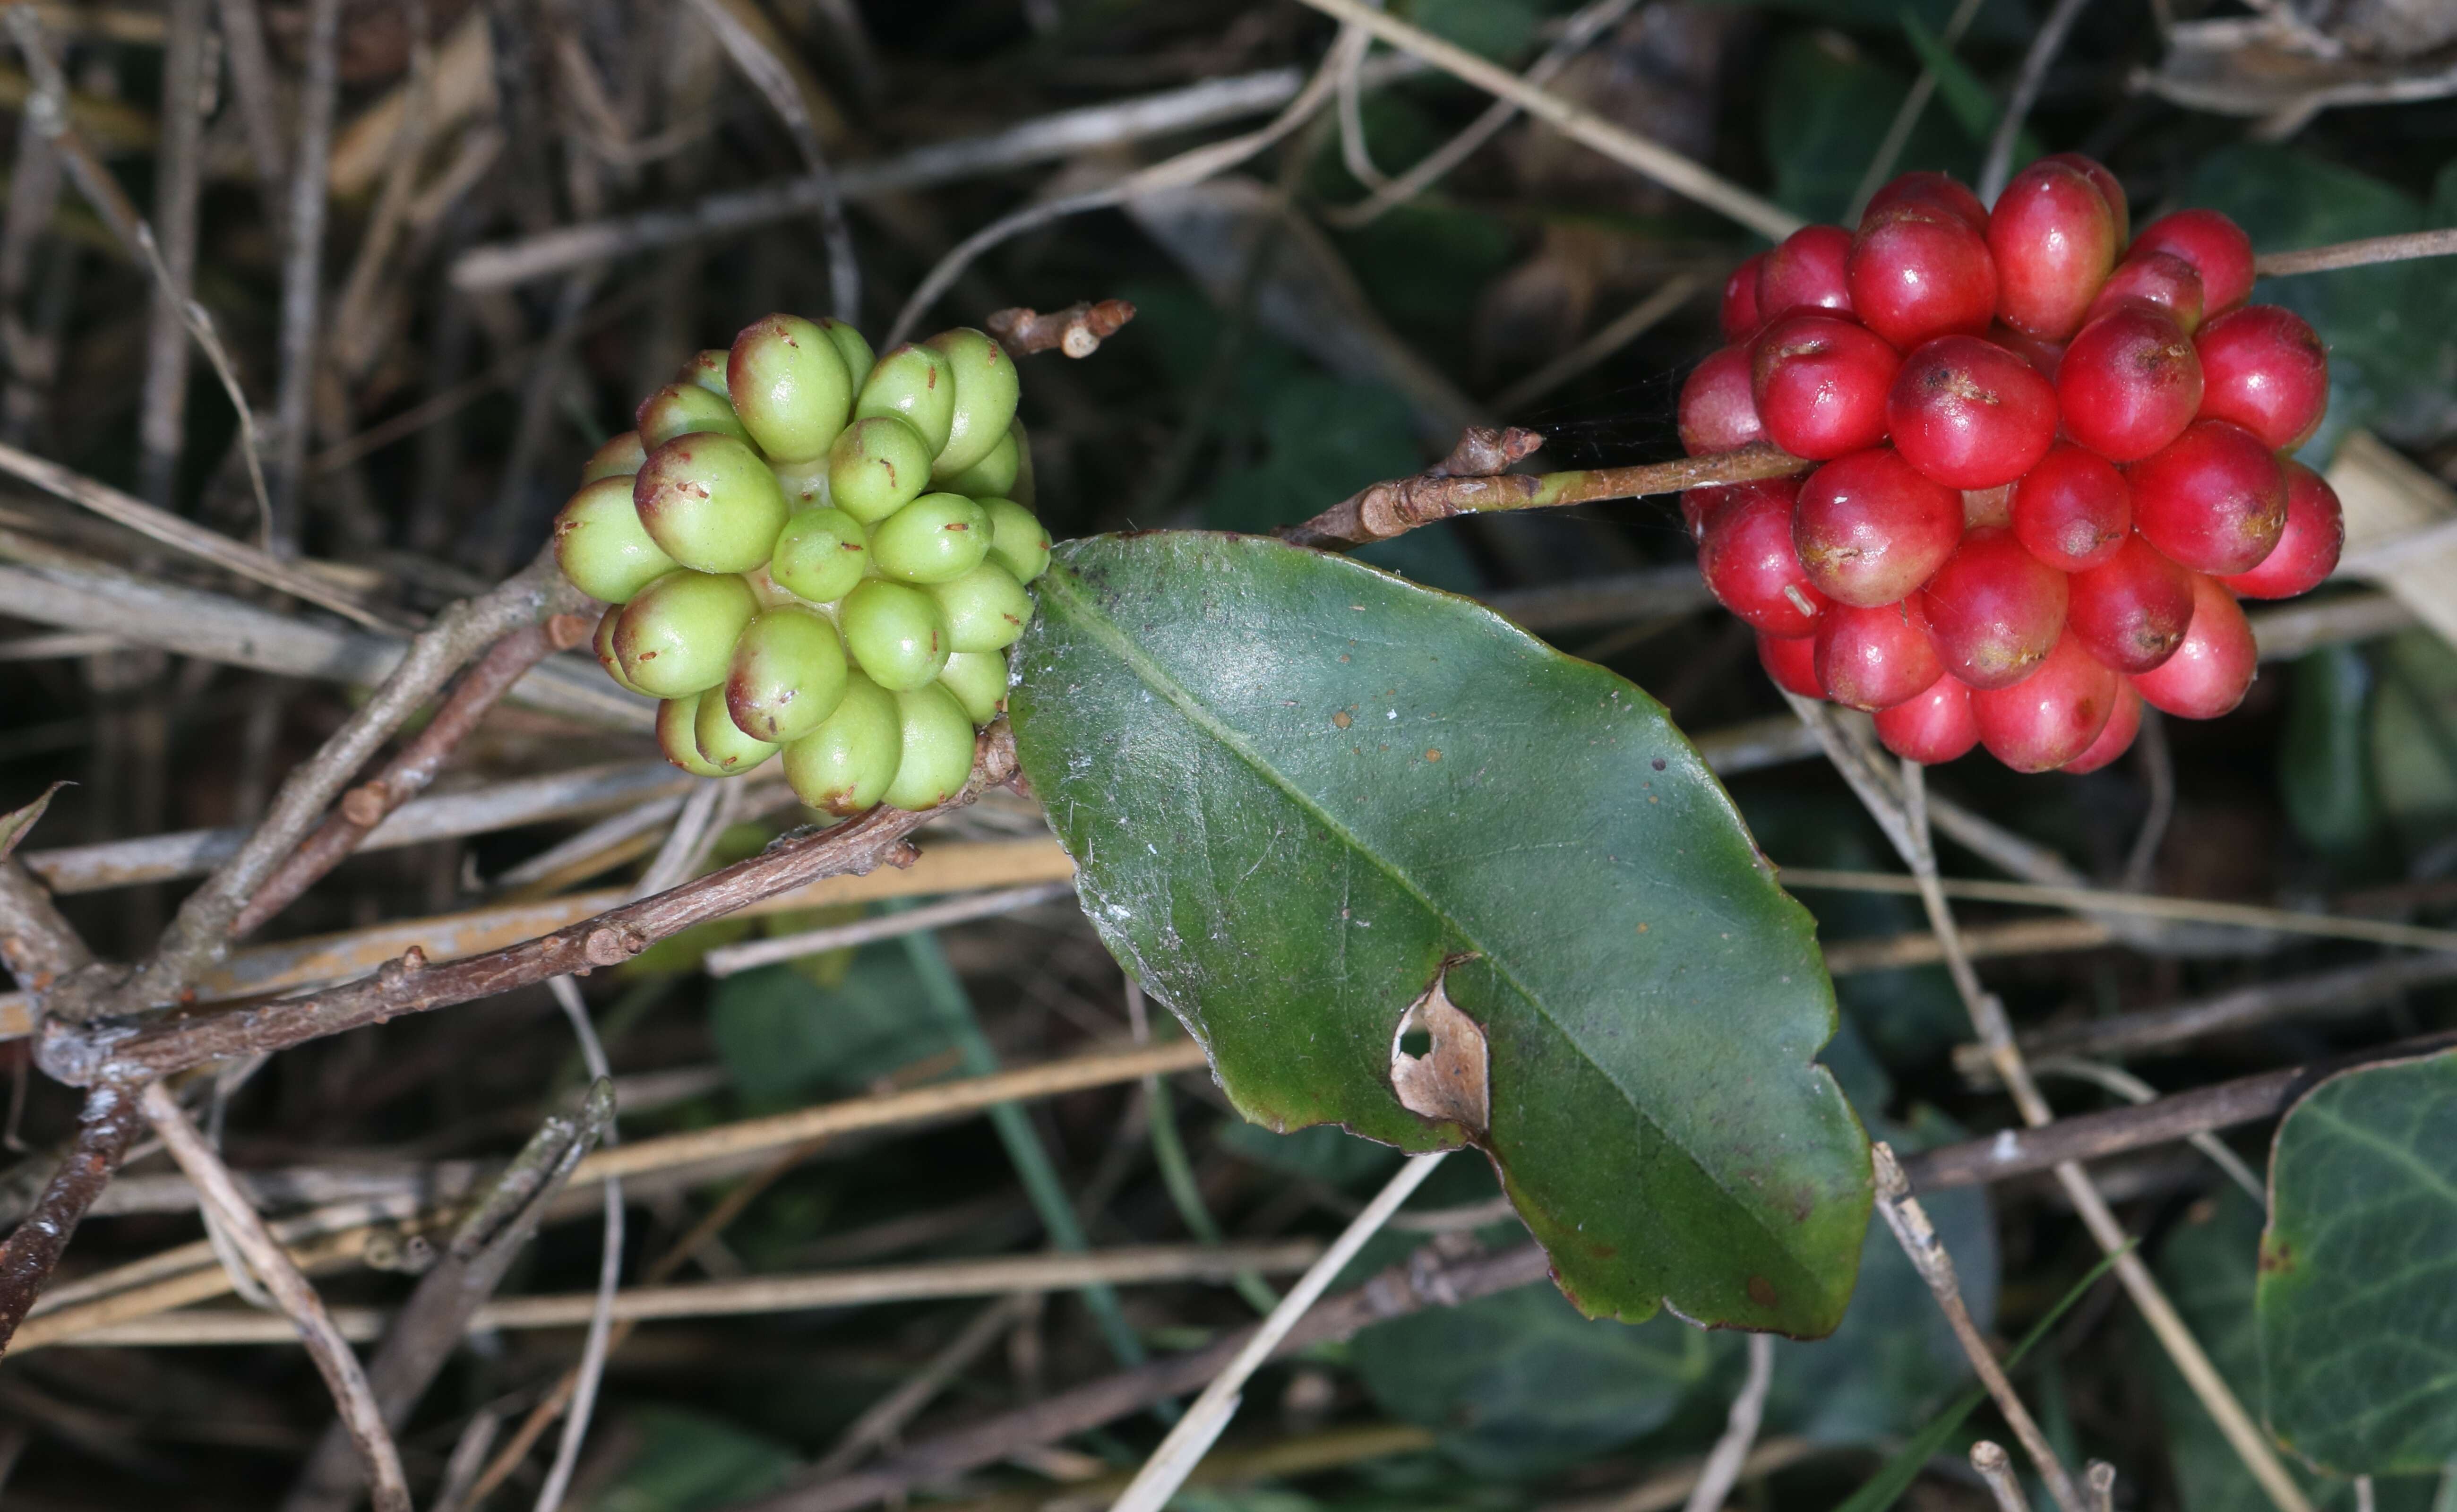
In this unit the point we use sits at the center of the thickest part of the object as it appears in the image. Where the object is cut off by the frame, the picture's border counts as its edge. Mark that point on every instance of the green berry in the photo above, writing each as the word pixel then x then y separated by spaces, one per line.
pixel 986 388
pixel 820 555
pixel 1022 492
pixel 620 457
pixel 676 635
pixel 986 609
pixel 977 679
pixel 787 674
pixel 685 409
pixel 789 385
pixel 850 345
pixel 678 738
pixel 805 483
pixel 896 633
pixel 603 644
pixel 938 755
pixel 936 538
pixel 844 765
pixel 877 467
pixel 707 369
pixel 989 478
pixel 711 503
pixel 601 544
pixel 915 384
pixel 721 742
pixel 1018 541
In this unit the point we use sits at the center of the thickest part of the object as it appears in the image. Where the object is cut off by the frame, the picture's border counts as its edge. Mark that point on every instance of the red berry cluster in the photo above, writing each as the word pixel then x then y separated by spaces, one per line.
pixel 2047 471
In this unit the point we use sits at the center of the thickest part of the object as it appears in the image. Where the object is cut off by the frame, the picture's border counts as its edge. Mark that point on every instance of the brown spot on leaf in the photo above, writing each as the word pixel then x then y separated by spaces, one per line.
pixel 2277 1256
pixel 1449 1079
pixel 1761 1291
pixel 1433 754
pixel 1341 719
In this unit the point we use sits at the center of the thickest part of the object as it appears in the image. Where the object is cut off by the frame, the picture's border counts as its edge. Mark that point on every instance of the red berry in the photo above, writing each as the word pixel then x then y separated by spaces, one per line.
pixel 1698 506
pixel 1929 191
pixel 2129 383
pixel 2073 511
pixel 2050 718
pixel 2210 671
pixel 1821 385
pixel 1747 557
pixel 1917 273
pixel 2217 248
pixel 1969 415
pixel 2214 499
pixel 1931 728
pixel 2158 279
pixel 2307 553
pixel 1792 663
pixel 2131 610
pixel 1993 610
pixel 1740 313
pixel 1805 271
pixel 1873 658
pixel 2045 356
pixel 2122 725
pixel 2053 238
pixel 1717 413
pixel 2265 369
pixel 2109 189
pixel 1870 528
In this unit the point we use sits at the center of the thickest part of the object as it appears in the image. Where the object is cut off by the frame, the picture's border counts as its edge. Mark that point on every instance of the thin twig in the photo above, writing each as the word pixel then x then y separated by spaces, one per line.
pixel 1188 167
pixel 884 1418
pixel 200 934
pixel 1194 1434
pixel 473 1264
pixel 727 959
pixel 597 1342
pixel 1077 330
pixel 261 107
pixel 1622 329
pixel 2136 1091
pixel 1387 510
pixel 2369 250
pixel 162 424
pixel 774 84
pixel 1995 1468
pixel 334 1358
pixel 409 985
pixel 1667 167
pixel 105 1128
pixel 1919 1238
pixel 1577 33
pixel 1907 115
pixel 365 806
pixel 1998 165
pixel 1722 1470
pixel 303 270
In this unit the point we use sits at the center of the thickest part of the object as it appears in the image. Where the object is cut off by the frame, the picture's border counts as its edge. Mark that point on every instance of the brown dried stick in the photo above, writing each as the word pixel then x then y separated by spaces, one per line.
pixel 105 1129
pixel 2358 253
pixel 200 933
pixel 1387 510
pixel 409 985
pixel 364 806
pixel 335 1361
pixel 1077 330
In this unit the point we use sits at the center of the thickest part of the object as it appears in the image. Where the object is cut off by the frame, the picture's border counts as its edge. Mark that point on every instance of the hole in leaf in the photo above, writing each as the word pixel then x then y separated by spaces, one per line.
pixel 1416 1043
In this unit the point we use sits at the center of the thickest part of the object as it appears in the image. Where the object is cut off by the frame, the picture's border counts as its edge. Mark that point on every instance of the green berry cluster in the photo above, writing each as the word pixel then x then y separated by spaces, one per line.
pixel 811 550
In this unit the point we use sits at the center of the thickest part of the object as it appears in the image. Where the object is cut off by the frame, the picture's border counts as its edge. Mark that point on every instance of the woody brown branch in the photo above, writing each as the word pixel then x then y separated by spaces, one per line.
pixel 1077 330
pixel 364 807
pixel 1387 510
pixel 410 986
pixel 111 1120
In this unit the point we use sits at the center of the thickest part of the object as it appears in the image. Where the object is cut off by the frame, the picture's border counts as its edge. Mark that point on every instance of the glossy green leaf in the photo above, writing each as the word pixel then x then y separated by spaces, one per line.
pixel 1295 786
pixel 2324 769
pixel 2357 1301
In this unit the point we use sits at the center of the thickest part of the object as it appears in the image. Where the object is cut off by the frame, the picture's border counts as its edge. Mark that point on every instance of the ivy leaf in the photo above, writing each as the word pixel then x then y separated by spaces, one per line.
pixel 1301 794
pixel 2357 1338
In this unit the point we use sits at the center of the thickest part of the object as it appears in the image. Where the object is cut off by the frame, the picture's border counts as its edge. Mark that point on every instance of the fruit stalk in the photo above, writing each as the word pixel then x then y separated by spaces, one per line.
pixel 1393 508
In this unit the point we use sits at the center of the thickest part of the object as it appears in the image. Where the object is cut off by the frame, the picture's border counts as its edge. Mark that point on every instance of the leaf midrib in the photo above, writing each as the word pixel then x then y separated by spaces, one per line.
pixel 1062 578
